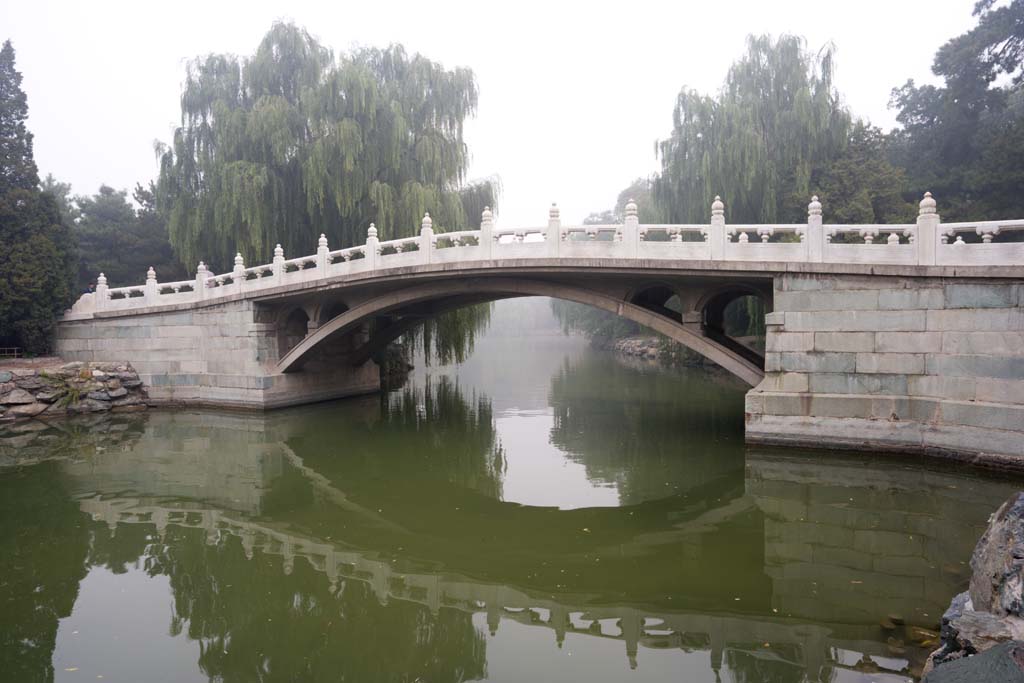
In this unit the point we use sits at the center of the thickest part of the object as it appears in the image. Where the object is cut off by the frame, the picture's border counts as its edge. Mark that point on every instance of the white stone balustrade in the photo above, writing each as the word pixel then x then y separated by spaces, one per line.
pixel 928 242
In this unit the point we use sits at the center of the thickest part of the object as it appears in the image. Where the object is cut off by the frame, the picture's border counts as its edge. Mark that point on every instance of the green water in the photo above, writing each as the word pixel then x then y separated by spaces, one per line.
pixel 543 512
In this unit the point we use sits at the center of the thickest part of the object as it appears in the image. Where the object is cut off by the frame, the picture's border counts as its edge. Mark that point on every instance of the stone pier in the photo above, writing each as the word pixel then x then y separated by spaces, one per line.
pixel 926 364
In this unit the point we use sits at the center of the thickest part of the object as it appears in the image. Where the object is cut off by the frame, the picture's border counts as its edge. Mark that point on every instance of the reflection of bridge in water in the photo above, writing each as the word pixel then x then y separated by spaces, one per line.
pixel 820 549
pixel 810 647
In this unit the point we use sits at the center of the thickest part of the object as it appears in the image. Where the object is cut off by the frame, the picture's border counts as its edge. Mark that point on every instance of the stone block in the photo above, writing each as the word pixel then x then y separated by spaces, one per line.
pixel 774 318
pixel 957 388
pixel 887 543
pixel 974 320
pixel 1002 367
pixel 848 300
pixel 753 402
pixel 998 390
pixel 842 557
pixel 817 362
pixel 984 343
pixel 841 405
pixel 908 342
pixel 803 283
pixel 25 409
pixel 789 341
pixel 780 553
pixel 891 363
pixel 842 341
pixel 857 321
pixel 784 509
pixel 986 415
pixel 786 382
pixel 909 299
pixel 967 439
pixel 786 404
pixel 924 410
pixel 846 383
pixel 16 397
pixel 808 532
pixel 903 566
pixel 981 295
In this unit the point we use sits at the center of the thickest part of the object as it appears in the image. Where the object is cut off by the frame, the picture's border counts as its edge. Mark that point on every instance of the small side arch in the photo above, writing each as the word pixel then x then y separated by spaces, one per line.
pixel 292 328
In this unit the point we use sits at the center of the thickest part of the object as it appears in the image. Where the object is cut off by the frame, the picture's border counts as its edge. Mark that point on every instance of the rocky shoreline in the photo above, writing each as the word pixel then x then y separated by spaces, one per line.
pixel 659 350
pixel 70 389
pixel 983 629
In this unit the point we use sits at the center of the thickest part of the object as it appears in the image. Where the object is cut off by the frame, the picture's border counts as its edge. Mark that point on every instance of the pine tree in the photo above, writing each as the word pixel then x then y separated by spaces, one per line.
pixel 17 166
pixel 36 247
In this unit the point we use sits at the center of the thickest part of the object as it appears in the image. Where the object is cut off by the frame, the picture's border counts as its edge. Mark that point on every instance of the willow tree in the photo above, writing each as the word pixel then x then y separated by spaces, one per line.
pixel 293 142
pixel 758 142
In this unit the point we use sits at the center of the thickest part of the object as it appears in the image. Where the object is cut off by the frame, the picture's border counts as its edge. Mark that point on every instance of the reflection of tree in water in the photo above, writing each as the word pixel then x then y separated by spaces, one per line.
pixel 776 664
pixel 639 428
pixel 255 621
pixel 430 434
pixel 43 545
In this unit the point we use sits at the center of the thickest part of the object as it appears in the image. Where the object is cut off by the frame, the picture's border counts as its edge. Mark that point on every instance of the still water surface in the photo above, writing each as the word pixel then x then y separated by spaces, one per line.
pixel 574 517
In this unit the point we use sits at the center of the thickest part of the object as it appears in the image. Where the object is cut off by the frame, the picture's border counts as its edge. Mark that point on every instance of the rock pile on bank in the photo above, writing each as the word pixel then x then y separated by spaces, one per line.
pixel 639 347
pixel 70 389
pixel 988 617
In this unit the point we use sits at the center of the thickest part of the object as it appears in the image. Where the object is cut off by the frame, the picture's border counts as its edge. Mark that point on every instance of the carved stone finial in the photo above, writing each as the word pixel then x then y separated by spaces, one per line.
pixel 372 232
pixel 151 275
pixel 553 212
pixel 927 204
pixel 201 268
pixel 487 215
pixel 717 207
pixel 239 261
pixel 322 242
pixel 631 208
pixel 278 252
pixel 427 222
pixel 101 280
pixel 814 208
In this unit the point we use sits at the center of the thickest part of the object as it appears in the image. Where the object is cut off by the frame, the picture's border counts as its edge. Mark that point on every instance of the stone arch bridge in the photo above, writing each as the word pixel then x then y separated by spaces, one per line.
pixel 905 337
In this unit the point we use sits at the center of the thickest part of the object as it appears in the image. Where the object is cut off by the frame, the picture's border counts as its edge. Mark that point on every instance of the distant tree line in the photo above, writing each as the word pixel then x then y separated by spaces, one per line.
pixel 777 133
pixel 295 141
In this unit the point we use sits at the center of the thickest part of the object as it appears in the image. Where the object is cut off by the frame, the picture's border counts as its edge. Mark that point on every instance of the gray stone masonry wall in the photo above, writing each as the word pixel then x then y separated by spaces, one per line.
pixel 219 355
pixel 903 364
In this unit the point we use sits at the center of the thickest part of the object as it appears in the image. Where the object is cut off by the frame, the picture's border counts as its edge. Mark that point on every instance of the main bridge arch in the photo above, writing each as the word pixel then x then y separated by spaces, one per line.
pixel 440 296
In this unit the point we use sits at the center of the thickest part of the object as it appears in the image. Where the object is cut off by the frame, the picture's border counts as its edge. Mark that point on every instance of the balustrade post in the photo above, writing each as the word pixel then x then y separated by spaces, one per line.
pixel 238 273
pixel 372 247
pixel 716 238
pixel 631 230
pixel 101 292
pixel 553 236
pixel 151 292
pixel 200 287
pixel 927 230
pixel 426 238
pixel 321 255
pixel 278 267
pixel 815 235
pixel 486 233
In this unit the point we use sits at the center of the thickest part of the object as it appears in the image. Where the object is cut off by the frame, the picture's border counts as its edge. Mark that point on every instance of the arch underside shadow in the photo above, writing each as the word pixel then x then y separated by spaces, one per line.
pixel 430 299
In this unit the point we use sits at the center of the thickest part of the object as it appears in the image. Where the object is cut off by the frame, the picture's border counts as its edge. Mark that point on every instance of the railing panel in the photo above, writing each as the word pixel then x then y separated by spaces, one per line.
pixel 883 253
pixel 765 251
pixel 995 254
pixel 675 251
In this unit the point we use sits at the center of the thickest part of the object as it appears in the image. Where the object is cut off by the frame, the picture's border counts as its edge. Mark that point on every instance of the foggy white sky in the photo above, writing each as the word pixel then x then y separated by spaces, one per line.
pixel 572 96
